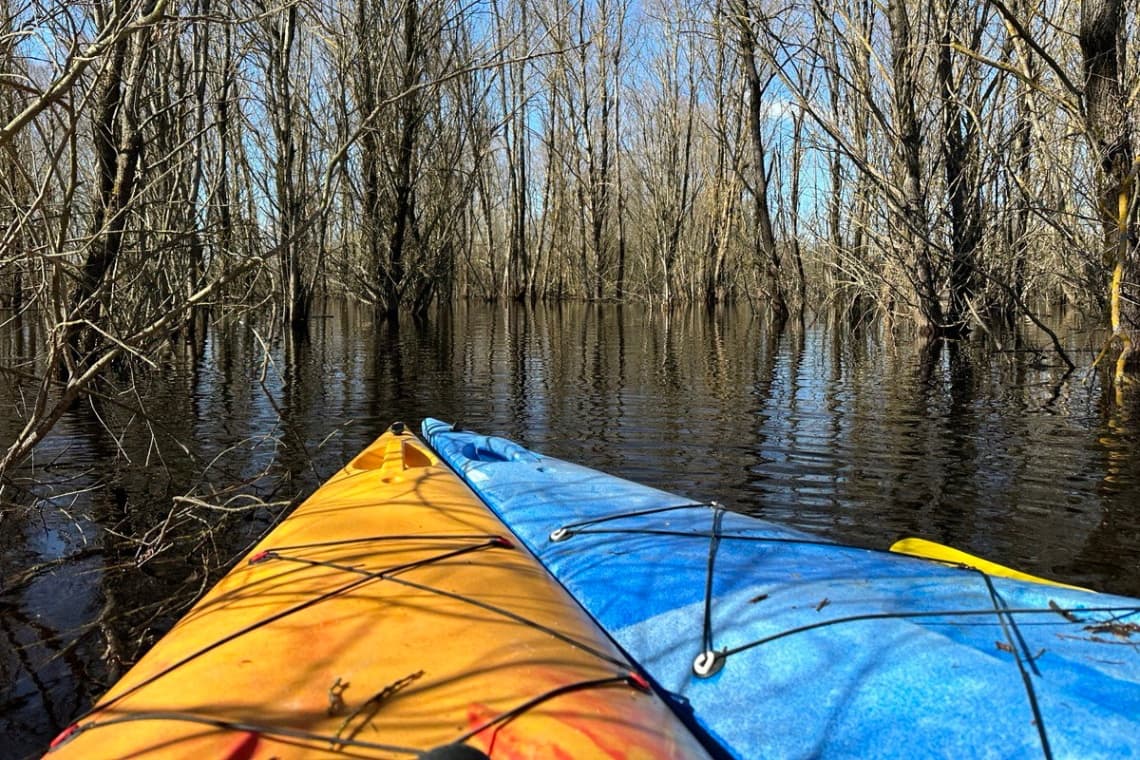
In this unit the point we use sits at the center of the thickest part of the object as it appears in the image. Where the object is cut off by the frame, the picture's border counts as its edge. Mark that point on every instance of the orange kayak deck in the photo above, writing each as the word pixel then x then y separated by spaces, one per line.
pixel 390 615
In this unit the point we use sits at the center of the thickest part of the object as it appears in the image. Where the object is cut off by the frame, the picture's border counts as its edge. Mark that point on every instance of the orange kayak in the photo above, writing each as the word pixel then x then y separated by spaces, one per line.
pixel 391 615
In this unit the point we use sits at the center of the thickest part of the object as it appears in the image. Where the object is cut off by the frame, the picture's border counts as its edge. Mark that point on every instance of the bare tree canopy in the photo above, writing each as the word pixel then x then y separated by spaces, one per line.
pixel 947 164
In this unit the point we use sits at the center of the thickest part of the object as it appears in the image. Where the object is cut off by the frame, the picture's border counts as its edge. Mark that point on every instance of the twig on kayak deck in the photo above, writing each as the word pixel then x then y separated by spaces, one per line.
pixel 336 697
pixel 1068 615
pixel 1120 630
pixel 370 707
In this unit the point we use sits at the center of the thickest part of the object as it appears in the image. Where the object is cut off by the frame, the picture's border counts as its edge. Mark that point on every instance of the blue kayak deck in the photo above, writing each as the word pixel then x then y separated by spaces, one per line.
pixel 807 648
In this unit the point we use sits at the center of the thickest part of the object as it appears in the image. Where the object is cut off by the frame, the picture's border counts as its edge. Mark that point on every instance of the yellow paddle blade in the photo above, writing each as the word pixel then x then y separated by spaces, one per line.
pixel 920 547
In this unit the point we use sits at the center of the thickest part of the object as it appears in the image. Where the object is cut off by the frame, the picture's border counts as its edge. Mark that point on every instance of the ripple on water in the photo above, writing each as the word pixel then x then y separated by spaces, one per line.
pixel 859 436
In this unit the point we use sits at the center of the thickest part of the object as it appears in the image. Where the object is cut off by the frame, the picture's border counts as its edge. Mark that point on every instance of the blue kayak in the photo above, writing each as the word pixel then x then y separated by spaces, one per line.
pixel 773 643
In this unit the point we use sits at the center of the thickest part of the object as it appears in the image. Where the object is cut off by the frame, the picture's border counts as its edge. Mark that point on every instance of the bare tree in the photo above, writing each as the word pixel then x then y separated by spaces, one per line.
pixel 667 110
pixel 767 252
pixel 960 156
pixel 1102 40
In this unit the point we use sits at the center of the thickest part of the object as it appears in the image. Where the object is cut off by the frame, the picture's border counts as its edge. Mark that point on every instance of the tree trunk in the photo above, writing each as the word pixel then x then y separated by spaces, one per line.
pixel 367 81
pixel 409 120
pixel 798 150
pixel 223 116
pixel 197 253
pixel 767 254
pixel 520 180
pixel 118 145
pixel 1102 46
pixel 289 194
pixel 909 150
pixel 959 156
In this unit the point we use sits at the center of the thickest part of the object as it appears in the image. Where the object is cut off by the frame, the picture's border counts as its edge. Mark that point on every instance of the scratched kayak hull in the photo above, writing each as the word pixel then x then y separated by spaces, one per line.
pixel 388 616
pixel 778 644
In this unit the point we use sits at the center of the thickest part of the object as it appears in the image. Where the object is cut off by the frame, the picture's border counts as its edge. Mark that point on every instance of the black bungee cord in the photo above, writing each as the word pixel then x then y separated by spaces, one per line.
pixel 710 661
pixel 629 677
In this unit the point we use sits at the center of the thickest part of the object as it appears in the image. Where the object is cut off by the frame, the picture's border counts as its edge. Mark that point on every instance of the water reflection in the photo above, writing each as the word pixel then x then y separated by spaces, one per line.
pixel 1113 538
pixel 141 498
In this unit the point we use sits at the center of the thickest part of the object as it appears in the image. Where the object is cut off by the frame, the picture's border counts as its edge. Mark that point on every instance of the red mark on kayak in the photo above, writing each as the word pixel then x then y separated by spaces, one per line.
pixel 638 681
pixel 64 736
pixel 244 748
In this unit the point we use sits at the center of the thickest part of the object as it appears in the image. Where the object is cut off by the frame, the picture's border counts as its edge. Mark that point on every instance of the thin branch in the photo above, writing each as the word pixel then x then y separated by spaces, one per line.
pixel 77 66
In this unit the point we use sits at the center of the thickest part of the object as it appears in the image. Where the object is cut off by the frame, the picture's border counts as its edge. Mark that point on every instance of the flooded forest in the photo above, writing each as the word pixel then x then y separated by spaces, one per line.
pixel 200 201
pixel 945 165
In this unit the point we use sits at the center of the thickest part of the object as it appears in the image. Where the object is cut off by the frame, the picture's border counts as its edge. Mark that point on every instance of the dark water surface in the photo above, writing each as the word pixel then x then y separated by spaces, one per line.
pixel 139 500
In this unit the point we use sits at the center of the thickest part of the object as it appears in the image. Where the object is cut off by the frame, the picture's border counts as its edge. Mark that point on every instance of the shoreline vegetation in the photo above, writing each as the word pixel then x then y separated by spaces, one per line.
pixel 949 166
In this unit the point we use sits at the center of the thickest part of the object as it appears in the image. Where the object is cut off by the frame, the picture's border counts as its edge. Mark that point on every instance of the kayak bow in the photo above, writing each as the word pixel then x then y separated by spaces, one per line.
pixel 777 643
pixel 391 615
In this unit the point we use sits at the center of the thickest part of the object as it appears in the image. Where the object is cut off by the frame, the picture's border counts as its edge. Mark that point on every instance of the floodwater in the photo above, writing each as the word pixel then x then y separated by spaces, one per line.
pixel 141 498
